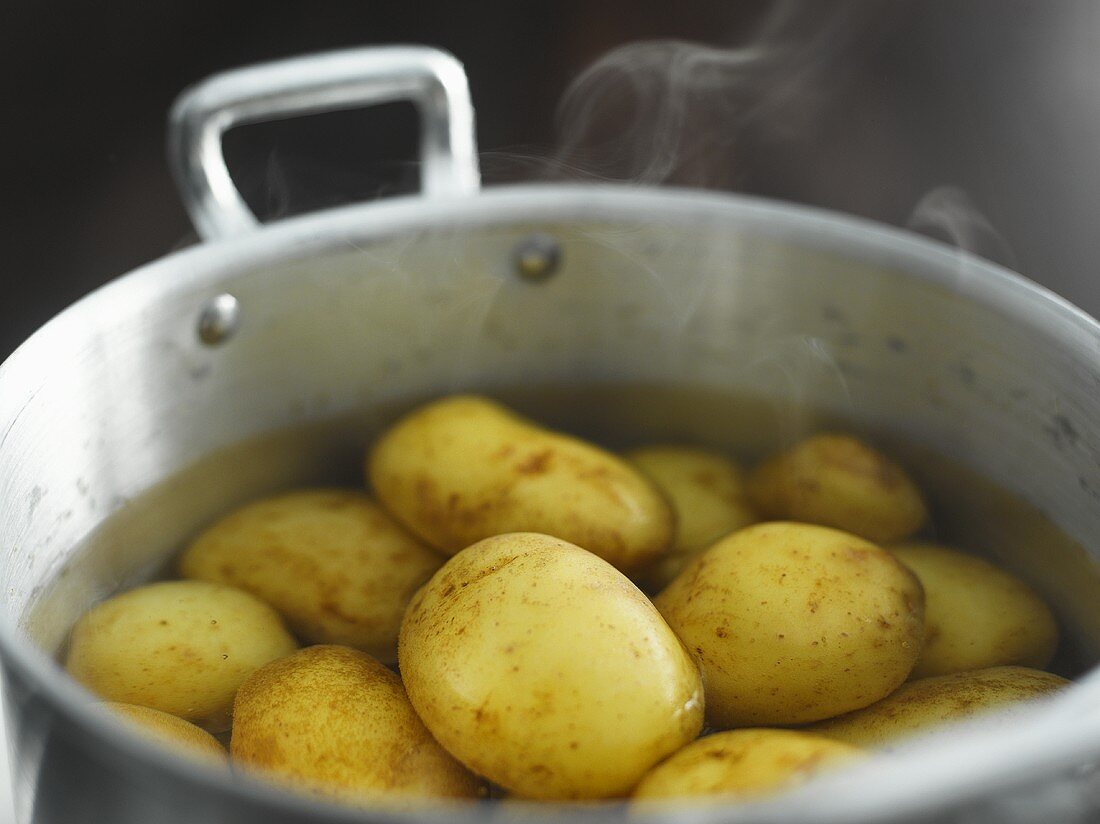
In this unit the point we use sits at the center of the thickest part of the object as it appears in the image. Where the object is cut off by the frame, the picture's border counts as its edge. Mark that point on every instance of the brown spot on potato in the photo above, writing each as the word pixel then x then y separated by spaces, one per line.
pixel 705 478
pixel 535 464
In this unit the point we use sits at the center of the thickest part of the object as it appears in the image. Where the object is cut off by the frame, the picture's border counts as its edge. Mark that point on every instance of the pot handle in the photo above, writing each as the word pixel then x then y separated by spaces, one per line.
pixel 432 79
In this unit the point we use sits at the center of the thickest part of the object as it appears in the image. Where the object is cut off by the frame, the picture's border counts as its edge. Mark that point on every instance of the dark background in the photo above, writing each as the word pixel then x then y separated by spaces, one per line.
pixel 866 107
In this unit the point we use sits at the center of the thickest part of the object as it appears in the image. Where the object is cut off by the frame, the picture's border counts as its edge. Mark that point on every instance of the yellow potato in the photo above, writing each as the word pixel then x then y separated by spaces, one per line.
pixel 976 615
pixel 465 468
pixel 923 705
pixel 744 764
pixel 331 721
pixel 182 647
pixel 332 562
pixel 543 668
pixel 170 731
pixel 707 494
pixel 839 481
pixel 792 623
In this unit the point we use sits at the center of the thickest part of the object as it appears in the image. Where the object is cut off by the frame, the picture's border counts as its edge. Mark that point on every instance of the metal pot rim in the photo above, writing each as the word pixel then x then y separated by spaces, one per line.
pixel 977 280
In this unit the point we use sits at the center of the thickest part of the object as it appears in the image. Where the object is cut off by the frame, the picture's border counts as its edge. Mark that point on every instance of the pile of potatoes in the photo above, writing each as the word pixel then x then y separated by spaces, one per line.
pixel 503 568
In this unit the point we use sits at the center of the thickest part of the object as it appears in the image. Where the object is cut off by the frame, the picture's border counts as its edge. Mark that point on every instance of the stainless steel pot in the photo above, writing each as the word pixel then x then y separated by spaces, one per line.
pixel 264 357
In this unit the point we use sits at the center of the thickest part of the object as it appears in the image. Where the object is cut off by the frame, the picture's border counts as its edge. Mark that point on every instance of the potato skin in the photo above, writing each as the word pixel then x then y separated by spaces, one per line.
pixel 839 481
pixel 331 561
pixel 976 614
pixel 333 722
pixel 182 647
pixel 707 493
pixel 746 763
pixel 465 468
pixel 923 705
pixel 792 623
pixel 171 731
pixel 543 668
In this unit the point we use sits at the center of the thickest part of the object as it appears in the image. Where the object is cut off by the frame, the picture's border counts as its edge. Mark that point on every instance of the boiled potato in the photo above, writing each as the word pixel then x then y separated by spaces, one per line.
pixel 332 562
pixel 744 764
pixel 792 623
pixel 923 705
pixel 542 668
pixel 707 494
pixel 465 468
pixel 976 614
pixel 170 730
pixel 182 647
pixel 331 721
pixel 839 481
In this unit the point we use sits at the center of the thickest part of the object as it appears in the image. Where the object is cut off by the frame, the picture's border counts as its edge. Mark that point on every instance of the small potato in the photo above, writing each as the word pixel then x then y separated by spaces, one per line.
pixel 976 615
pixel 708 498
pixel 839 481
pixel 171 731
pixel 182 647
pixel 332 562
pixel 921 706
pixel 332 722
pixel 465 468
pixel 744 764
pixel 543 668
pixel 792 623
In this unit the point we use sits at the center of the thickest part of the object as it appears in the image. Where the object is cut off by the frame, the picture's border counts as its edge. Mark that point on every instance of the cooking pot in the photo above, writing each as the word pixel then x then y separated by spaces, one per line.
pixel 265 357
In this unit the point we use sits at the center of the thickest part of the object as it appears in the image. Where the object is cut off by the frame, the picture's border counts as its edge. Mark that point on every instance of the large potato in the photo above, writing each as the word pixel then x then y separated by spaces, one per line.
pixel 792 623
pixel 465 468
pixel 332 562
pixel 744 764
pixel 182 647
pixel 707 494
pixel 923 705
pixel 839 481
pixel 331 721
pixel 170 730
pixel 976 615
pixel 543 668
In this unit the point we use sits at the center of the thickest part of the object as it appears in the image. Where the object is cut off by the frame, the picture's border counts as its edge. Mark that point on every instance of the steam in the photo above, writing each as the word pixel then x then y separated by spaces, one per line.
pixel 674 112
pixel 669 111
pixel 948 214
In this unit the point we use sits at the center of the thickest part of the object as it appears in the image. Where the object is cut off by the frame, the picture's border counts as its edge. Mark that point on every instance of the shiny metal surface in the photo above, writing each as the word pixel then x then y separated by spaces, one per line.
pixel 537 257
pixel 349 311
pixel 219 319
pixel 7 804
pixel 430 78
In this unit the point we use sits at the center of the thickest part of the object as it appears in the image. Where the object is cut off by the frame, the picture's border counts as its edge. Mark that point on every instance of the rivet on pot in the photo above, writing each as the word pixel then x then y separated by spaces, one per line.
pixel 537 257
pixel 219 319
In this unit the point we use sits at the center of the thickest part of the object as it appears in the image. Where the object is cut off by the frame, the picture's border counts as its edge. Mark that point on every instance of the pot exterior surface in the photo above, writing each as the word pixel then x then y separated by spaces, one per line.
pixel 336 322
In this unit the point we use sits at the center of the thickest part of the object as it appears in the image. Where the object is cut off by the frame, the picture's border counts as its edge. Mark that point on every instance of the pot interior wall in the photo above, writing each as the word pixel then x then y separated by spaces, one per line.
pixel 125 434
